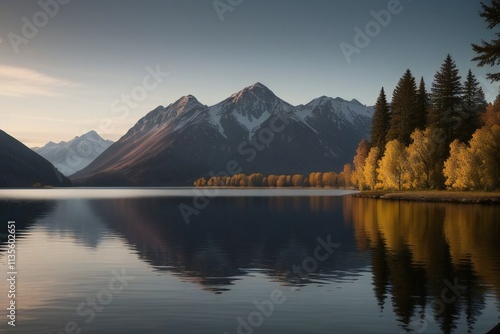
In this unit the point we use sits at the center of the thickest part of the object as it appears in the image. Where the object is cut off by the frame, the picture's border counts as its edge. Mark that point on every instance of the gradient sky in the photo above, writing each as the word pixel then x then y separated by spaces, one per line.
pixel 64 80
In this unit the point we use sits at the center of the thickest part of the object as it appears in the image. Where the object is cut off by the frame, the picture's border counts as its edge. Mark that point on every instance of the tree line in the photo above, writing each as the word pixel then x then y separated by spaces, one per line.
pixel 449 137
pixel 315 179
pixel 446 138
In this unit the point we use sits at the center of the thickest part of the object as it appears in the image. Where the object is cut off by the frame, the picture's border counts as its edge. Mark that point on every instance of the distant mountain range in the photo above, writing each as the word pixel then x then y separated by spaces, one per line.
pixel 76 154
pixel 21 167
pixel 251 131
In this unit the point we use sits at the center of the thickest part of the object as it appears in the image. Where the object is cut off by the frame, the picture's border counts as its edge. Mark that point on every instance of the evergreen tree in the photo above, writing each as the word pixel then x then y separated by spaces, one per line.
pixel 474 106
pixel 492 114
pixel 404 106
pixel 380 123
pixel 446 100
pixel 489 52
pixel 422 106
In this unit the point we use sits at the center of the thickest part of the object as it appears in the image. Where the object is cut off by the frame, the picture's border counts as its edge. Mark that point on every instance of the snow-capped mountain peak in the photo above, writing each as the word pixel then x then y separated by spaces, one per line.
pixel 91 136
pixel 186 103
pixel 74 155
pixel 186 139
pixel 249 108
pixel 256 91
pixel 163 116
pixel 327 107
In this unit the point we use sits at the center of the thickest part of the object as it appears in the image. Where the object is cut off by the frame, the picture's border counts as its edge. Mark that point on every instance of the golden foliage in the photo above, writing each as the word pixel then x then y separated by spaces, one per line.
pixel 477 165
pixel 370 168
pixel 393 168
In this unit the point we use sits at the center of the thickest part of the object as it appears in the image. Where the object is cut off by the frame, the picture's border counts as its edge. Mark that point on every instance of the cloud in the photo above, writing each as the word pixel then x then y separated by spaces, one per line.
pixel 25 82
pixel 49 119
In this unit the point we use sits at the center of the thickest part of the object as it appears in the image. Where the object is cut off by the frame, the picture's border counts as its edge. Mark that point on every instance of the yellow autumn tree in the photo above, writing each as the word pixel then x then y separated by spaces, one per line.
pixel 423 153
pixel 476 166
pixel 370 168
pixel 359 162
pixel 298 180
pixel 200 182
pixel 346 175
pixel 281 182
pixel 458 169
pixel 271 180
pixel 485 147
pixel 255 180
pixel 393 170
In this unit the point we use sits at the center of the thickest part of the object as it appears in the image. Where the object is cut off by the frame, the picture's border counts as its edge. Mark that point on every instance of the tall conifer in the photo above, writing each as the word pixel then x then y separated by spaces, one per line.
pixel 474 106
pixel 404 107
pixel 380 122
pixel 422 106
pixel 446 100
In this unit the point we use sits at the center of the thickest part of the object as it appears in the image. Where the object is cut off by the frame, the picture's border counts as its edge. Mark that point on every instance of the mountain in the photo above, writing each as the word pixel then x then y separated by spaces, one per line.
pixel 76 154
pixel 21 167
pixel 250 131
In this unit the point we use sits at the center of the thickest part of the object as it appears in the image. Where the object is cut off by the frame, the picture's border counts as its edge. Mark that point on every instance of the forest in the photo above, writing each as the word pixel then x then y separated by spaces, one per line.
pixel 445 138
pixel 448 138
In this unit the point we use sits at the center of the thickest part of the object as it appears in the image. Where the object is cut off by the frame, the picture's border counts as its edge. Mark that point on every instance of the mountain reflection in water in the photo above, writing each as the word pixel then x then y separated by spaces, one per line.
pixel 430 266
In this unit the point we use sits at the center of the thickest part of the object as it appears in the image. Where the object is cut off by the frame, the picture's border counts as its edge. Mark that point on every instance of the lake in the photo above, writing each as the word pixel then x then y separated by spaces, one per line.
pixel 247 261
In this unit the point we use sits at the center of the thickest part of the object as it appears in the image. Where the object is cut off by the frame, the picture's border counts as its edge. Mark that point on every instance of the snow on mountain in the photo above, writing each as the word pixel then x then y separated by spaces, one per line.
pixel 177 144
pixel 21 167
pixel 76 154
pixel 249 108
pixel 179 112
pixel 348 110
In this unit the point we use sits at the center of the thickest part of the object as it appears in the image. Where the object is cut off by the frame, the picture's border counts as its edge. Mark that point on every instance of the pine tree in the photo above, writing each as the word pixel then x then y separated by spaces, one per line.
pixel 422 106
pixel 489 52
pixel 404 106
pixel 492 114
pixel 474 106
pixel 380 123
pixel 446 100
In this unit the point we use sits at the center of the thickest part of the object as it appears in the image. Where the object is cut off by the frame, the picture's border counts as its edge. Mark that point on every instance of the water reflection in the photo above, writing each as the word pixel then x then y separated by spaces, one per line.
pixel 24 213
pixel 75 219
pixel 422 252
pixel 235 237
pixel 428 263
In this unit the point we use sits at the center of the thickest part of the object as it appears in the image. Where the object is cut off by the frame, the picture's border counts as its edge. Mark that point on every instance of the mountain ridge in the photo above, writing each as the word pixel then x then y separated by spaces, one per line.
pixel 71 156
pixel 177 144
pixel 21 167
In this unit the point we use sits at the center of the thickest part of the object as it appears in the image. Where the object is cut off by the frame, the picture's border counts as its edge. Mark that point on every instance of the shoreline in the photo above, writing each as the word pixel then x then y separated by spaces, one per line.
pixel 437 196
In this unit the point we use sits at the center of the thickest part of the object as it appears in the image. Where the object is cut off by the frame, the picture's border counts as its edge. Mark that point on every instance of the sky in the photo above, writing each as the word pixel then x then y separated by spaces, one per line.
pixel 71 66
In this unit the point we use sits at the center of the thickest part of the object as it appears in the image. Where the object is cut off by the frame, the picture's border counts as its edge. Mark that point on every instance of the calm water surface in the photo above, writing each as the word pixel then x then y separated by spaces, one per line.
pixel 126 261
